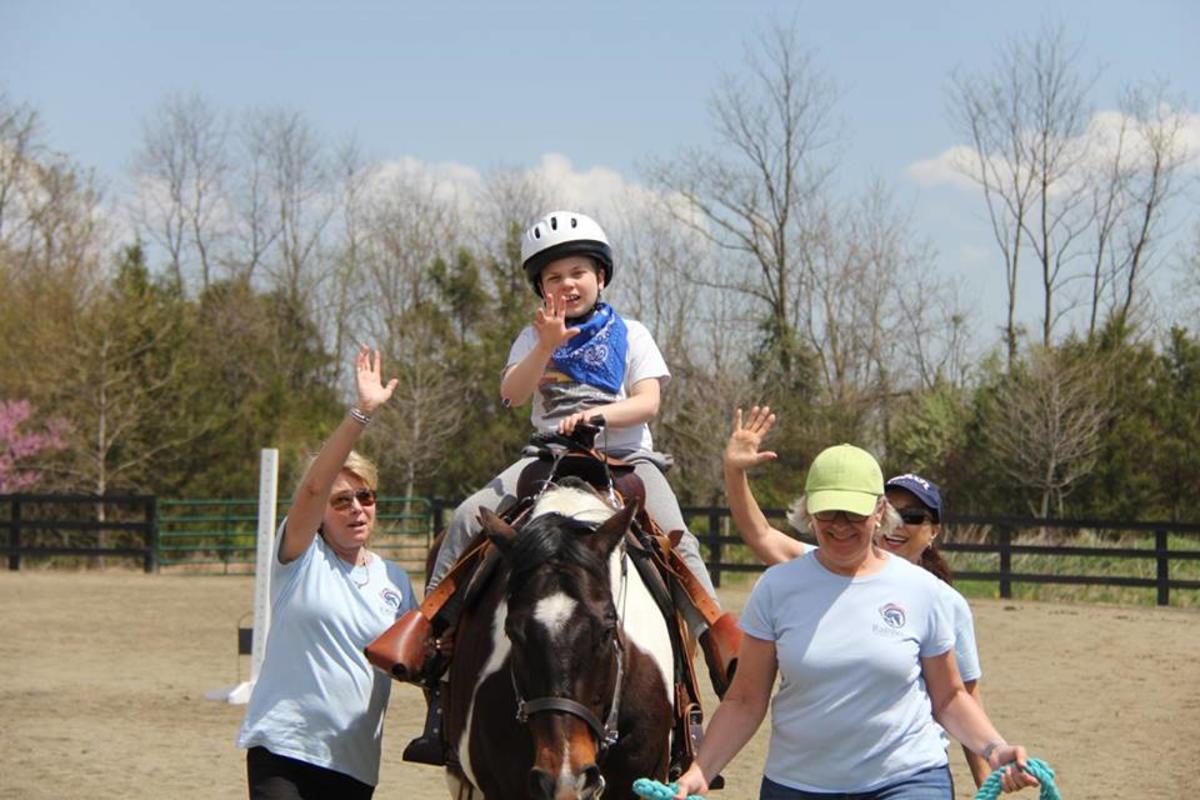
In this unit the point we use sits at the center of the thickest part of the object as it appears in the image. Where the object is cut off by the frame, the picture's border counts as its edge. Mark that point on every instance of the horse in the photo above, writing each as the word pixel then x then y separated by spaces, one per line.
pixel 561 683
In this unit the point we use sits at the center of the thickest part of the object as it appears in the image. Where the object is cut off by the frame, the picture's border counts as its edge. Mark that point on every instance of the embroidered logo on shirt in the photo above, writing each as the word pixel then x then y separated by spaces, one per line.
pixel 391 597
pixel 893 615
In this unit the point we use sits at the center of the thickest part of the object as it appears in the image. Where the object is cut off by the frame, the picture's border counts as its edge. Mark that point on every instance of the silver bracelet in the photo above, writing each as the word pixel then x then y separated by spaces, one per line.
pixel 359 416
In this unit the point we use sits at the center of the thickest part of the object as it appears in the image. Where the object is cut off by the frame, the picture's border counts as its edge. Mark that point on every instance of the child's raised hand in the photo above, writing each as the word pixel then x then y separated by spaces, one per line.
pixel 741 451
pixel 550 323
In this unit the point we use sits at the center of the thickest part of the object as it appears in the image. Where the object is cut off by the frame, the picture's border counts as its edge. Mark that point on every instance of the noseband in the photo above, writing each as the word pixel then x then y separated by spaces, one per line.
pixel 606 733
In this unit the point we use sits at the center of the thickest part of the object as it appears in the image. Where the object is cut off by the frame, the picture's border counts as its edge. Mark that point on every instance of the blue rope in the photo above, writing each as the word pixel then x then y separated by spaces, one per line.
pixel 990 789
pixel 653 790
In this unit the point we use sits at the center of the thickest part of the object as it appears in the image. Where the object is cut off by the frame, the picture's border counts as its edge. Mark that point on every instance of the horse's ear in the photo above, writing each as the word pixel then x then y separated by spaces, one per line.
pixel 499 532
pixel 608 535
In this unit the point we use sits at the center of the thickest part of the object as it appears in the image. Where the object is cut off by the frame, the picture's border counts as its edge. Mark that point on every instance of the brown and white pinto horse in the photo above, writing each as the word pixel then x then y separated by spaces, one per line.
pixel 560 683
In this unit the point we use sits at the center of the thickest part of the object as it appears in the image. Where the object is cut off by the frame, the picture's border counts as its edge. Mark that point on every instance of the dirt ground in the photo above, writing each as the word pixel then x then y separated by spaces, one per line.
pixel 105 675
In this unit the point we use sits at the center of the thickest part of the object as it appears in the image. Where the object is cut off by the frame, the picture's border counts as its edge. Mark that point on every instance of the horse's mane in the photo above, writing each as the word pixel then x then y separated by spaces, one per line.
pixel 557 539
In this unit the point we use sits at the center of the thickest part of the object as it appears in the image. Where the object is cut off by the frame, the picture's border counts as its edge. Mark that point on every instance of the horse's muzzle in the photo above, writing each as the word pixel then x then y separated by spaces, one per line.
pixel 588 785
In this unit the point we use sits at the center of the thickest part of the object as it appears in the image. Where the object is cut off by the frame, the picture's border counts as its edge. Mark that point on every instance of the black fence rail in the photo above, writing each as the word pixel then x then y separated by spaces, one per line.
pixel 1155 552
pixel 1160 556
pixel 67 529
pixel 206 536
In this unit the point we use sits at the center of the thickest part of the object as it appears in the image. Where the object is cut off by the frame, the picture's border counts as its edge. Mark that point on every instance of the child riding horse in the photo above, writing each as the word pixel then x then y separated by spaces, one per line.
pixel 578 358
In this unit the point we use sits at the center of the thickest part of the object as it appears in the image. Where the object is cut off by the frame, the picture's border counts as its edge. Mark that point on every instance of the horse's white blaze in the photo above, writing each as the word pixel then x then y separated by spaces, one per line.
pixel 554 612
pixel 642 620
pixel 565 779
pixel 500 649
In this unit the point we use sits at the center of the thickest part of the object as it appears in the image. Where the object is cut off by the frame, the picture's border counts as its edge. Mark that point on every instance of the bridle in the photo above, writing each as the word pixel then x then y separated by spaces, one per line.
pixel 606 732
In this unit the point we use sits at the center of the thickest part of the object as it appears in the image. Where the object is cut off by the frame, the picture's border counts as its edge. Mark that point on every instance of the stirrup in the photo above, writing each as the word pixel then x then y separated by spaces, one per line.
pixel 428 748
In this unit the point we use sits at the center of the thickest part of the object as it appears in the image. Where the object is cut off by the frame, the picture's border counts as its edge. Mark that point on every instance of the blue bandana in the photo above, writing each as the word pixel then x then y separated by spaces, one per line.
pixel 596 355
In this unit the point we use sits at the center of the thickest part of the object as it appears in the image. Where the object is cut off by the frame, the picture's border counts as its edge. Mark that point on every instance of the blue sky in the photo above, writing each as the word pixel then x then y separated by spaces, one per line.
pixel 606 85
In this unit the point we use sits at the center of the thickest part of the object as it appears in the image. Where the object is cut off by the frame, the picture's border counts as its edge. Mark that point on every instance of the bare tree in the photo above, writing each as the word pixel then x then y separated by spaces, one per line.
pixel 757 198
pixel 1046 429
pixel 256 227
pixel 20 146
pixel 1160 152
pixel 343 296
pixel 181 169
pixel 1187 282
pixel 302 200
pixel 51 245
pixel 664 278
pixel 1026 123
pixel 408 227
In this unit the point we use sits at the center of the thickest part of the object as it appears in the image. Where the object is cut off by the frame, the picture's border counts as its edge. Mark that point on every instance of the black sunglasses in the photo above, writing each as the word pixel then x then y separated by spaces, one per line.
pixel 915 516
pixel 341 502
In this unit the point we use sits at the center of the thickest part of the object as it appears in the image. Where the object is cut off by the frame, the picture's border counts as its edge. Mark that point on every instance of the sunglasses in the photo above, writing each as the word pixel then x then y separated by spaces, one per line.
pixel 914 516
pixel 830 516
pixel 342 502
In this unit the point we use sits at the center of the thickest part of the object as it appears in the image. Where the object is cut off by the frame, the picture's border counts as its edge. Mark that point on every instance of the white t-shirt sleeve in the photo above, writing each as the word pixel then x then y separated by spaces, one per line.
pixel 525 342
pixel 645 359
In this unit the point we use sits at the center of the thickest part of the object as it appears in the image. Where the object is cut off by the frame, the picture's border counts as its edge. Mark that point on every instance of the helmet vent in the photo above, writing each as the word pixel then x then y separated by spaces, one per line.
pixel 554 223
pixel 574 222
pixel 537 232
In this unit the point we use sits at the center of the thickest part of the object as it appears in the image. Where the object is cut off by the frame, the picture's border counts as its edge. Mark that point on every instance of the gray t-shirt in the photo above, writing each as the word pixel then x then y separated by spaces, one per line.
pixel 852 713
pixel 557 395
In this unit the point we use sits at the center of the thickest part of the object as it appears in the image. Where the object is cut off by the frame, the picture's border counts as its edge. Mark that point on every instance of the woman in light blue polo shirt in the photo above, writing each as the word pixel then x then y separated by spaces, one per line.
pixel 863 642
pixel 314 725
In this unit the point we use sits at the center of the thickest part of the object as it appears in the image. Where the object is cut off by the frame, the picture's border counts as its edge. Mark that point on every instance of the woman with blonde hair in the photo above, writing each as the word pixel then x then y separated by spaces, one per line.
pixel 314 724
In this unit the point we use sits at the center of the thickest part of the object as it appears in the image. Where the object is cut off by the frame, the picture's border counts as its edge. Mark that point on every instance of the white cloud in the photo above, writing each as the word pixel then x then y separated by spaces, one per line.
pixel 600 190
pixel 1098 145
pixel 944 168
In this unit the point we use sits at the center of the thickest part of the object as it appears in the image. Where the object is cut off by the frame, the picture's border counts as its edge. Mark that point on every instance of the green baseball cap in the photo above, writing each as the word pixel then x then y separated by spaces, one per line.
pixel 844 478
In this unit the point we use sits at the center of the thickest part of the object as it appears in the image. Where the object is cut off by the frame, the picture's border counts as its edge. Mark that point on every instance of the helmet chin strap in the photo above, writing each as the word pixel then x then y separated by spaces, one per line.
pixel 584 317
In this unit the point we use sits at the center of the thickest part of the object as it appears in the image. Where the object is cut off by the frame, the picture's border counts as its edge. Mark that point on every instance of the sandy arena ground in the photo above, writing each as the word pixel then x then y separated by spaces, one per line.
pixel 105 677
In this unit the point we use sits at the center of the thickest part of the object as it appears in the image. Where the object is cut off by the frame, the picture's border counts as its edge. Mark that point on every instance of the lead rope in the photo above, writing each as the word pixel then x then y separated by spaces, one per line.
pixel 990 789
pixel 653 790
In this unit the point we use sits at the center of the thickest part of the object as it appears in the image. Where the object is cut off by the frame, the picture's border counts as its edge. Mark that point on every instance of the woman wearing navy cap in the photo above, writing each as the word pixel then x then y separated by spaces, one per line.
pixel 913 536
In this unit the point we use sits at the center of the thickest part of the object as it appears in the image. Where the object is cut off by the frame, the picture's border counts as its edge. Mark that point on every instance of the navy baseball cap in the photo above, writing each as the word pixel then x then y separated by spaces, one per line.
pixel 925 490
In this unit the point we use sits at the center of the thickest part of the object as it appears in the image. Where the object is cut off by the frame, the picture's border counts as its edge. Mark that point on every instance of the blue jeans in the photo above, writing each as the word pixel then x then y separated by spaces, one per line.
pixel 930 784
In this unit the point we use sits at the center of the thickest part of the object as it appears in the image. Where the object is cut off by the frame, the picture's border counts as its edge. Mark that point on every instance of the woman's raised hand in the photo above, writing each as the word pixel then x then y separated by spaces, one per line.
pixel 368 378
pixel 550 323
pixel 741 451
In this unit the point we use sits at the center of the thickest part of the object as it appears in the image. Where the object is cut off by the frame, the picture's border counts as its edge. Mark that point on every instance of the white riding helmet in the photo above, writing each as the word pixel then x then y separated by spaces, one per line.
pixel 560 234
